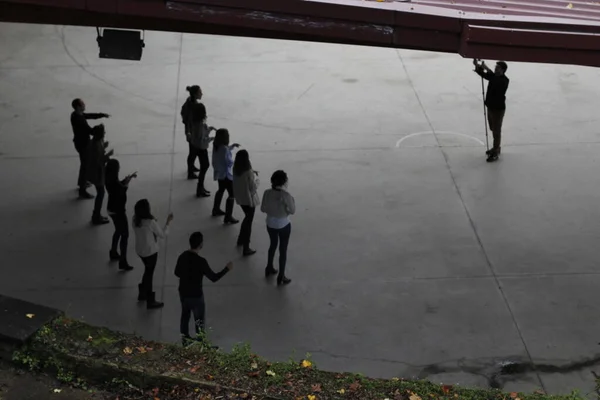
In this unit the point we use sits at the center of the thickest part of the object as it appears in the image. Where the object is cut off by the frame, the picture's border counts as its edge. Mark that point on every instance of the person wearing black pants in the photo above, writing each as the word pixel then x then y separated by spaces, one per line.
pixel 117 200
pixel 222 162
pixel 186 117
pixel 191 268
pixel 81 139
pixel 200 140
pixel 245 186
pixel 147 232
pixel 97 159
pixel 278 204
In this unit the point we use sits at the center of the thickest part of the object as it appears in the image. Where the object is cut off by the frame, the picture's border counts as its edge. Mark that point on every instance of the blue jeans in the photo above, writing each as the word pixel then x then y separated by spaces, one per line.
pixel 189 306
pixel 281 237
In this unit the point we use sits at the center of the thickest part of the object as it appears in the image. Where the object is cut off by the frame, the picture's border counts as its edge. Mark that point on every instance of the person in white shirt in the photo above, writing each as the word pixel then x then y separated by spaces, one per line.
pixel 278 204
pixel 245 186
pixel 147 232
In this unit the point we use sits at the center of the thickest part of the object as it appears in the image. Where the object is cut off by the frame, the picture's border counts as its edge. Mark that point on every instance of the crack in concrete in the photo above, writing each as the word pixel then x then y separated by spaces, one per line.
pixel 497 372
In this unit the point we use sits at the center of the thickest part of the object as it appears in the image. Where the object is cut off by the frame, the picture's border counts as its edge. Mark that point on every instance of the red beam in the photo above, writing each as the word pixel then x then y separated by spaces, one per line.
pixel 398 25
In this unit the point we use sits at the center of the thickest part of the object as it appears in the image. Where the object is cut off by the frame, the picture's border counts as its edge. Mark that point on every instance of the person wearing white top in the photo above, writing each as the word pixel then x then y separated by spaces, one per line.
pixel 278 204
pixel 245 186
pixel 147 232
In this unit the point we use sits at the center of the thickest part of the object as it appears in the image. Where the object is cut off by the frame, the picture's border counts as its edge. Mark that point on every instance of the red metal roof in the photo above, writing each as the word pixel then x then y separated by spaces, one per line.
pixel 549 31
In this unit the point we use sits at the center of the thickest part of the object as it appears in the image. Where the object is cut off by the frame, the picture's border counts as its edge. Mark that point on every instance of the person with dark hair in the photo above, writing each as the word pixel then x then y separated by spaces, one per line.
pixel 147 232
pixel 200 140
pixel 278 204
pixel 495 101
pixel 81 139
pixel 117 200
pixel 97 159
pixel 222 161
pixel 191 268
pixel 195 94
pixel 245 186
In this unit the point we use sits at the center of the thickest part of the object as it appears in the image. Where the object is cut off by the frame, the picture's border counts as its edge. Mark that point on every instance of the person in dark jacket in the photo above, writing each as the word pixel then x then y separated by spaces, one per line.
pixel 81 138
pixel 97 159
pixel 191 268
pixel 200 140
pixel 117 201
pixel 186 117
pixel 495 99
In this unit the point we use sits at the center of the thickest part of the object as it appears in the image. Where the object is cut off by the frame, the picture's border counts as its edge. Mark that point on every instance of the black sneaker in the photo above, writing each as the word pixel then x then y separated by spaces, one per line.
pixel 218 213
pixel 283 281
pixel 125 267
pixel 114 256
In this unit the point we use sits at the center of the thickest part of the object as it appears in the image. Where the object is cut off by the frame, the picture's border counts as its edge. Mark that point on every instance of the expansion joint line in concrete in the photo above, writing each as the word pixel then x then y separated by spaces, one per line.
pixel 469 217
pixel 173 153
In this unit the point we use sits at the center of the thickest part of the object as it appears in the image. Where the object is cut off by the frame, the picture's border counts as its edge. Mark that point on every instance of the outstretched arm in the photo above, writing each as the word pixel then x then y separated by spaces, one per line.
pixel 483 71
pixel 95 115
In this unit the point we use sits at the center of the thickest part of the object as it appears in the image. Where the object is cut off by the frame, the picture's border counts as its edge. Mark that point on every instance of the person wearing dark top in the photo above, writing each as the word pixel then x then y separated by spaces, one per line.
pixel 186 117
pixel 117 201
pixel 81 138
pixel 96 170
pixel 495 100
pixel 191 268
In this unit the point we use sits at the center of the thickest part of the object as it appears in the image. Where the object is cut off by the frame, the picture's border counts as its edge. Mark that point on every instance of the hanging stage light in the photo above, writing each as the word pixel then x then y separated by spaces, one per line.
pixel 120 44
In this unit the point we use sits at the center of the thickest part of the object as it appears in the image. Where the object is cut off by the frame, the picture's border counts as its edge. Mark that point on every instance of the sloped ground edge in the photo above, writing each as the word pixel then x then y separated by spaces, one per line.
pixel 83 354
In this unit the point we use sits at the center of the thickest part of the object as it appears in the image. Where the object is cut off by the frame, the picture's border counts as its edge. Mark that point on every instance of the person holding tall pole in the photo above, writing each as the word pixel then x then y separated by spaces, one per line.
pixel 494 101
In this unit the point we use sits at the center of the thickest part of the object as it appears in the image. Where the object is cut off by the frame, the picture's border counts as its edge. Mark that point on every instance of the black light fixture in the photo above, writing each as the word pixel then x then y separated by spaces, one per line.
pixel 120 44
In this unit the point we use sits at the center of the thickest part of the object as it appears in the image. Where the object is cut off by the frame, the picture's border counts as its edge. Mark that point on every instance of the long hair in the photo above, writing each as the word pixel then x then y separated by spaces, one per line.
pixel 141 211
pixel 241 163
pixel 112 171
pixel 221 139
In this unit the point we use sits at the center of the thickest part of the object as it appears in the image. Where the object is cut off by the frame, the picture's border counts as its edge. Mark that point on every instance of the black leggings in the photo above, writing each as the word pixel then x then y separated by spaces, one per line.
pixel 204 166
pixel 281 237
pixel 149 266
pixel 224 185
pixel 121 235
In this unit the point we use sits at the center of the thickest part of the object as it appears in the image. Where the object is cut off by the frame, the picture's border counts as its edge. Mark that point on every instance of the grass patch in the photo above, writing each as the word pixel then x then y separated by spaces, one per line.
pixel 80 352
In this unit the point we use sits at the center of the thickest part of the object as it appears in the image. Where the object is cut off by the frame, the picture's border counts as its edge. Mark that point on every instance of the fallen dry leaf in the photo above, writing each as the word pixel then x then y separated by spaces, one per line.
pixel 254 365
pixel 354 386
pixel 341 391
pixel 446 389
pixel 311 396
pixel 89 338
pixel 306 364
pixel 57 390
pixel 127 350
pixel 253 374
pixel 414 396
pixel 270 373
pixel 142 350
pixel 514 395
pixel 570 6
pixel 209 377
pixel 30 315
pixel 316 387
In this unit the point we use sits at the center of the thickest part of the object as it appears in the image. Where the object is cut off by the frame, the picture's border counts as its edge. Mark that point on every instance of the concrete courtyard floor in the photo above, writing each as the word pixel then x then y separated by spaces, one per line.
pixel 410 255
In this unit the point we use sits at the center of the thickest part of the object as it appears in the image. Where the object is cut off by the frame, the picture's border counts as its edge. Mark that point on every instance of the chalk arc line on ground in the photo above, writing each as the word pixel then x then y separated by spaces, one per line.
pixel 399 142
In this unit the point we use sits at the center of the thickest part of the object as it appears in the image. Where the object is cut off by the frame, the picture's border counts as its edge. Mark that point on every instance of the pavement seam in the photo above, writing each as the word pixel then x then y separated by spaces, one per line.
pixel 170 202
pixel 470 218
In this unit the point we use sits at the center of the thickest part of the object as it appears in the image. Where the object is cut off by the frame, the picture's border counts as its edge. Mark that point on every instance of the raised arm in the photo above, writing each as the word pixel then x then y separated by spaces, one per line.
pixel 212 275
pixel 483 71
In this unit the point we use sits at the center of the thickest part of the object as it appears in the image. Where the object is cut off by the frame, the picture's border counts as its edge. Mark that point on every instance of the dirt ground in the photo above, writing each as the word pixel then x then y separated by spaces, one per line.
pixel 17 384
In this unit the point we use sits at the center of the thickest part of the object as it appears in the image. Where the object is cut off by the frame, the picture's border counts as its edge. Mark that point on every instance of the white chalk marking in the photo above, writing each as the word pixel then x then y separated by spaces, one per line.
pixel 399 142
